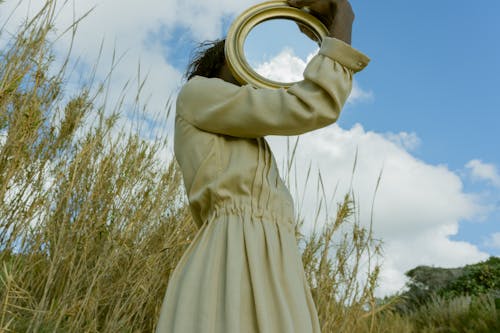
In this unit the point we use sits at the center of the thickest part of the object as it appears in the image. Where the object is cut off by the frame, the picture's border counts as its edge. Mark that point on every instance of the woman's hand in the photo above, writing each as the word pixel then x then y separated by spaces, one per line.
pixel 337 15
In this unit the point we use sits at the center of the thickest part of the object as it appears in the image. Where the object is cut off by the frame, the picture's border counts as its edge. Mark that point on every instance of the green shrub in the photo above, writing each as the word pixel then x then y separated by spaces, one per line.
pixel 477 279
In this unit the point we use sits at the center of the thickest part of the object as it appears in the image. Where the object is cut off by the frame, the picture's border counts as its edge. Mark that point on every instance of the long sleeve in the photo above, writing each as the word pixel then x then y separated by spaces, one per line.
pixel 217 106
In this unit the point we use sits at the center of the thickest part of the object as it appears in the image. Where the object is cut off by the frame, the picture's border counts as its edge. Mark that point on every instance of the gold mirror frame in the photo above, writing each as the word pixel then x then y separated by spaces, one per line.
pixel 243 24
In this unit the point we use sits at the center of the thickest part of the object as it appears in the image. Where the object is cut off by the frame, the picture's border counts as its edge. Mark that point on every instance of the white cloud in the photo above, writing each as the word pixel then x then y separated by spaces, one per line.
pixel 126 26
pixel 358 94
pixel 408 141
pixel 288 67
pixel 484 171
pixel 493 241
pixel 417 207
pixel 284 67
pixel 203 17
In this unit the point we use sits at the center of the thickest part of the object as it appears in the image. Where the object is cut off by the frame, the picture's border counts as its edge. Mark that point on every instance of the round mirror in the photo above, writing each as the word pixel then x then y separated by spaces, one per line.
pixel 279 51
pixel 275 54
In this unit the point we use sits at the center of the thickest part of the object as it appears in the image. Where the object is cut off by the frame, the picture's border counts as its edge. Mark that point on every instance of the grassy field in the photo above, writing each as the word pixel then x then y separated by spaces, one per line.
pixel 93 220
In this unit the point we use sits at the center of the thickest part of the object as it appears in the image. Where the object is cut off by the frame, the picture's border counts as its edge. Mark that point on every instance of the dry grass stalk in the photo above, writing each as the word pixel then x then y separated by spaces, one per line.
pixel 91 225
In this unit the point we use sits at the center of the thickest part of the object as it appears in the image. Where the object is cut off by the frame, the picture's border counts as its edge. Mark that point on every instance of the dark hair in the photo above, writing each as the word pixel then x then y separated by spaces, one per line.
pixel 208 59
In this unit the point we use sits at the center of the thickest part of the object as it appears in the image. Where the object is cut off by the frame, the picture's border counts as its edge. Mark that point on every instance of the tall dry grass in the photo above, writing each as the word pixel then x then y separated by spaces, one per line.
pixel 93 221
pixel 338 265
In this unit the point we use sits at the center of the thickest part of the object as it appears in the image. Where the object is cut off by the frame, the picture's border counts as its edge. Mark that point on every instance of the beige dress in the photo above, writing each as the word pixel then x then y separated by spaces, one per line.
pixel 243 271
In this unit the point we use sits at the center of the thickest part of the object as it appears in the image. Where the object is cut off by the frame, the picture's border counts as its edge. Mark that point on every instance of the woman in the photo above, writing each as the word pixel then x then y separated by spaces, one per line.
pixel 243 271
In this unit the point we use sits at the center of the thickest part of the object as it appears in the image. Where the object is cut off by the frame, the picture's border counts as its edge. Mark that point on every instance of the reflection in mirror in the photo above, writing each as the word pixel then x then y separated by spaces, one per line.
pixel 277 50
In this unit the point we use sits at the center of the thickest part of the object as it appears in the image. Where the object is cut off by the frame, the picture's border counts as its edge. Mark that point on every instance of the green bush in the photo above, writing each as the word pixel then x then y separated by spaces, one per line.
pixel 476 279
pixel 471 280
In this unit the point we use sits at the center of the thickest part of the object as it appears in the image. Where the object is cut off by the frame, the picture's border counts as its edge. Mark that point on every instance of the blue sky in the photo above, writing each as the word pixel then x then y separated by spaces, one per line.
pixel 426 110
pixel 436 71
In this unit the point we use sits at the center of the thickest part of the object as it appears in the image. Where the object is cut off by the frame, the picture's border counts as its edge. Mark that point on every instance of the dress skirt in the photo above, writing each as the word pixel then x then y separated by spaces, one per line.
pixel 240 274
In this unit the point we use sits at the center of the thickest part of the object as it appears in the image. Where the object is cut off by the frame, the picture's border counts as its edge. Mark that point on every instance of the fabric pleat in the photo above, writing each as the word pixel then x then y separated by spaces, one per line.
pixel 250 281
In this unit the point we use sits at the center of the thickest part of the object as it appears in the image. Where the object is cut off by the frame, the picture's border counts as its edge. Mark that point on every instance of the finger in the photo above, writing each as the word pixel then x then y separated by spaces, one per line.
pixel 306 31
pixel 301 3
pixel 321 7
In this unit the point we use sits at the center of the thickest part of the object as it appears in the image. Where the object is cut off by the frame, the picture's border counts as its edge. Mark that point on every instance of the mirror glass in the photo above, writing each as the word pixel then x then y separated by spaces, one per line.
pixel 278 50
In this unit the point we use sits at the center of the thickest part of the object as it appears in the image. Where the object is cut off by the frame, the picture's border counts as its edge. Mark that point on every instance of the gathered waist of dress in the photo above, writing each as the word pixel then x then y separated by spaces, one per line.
pixel 274 213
